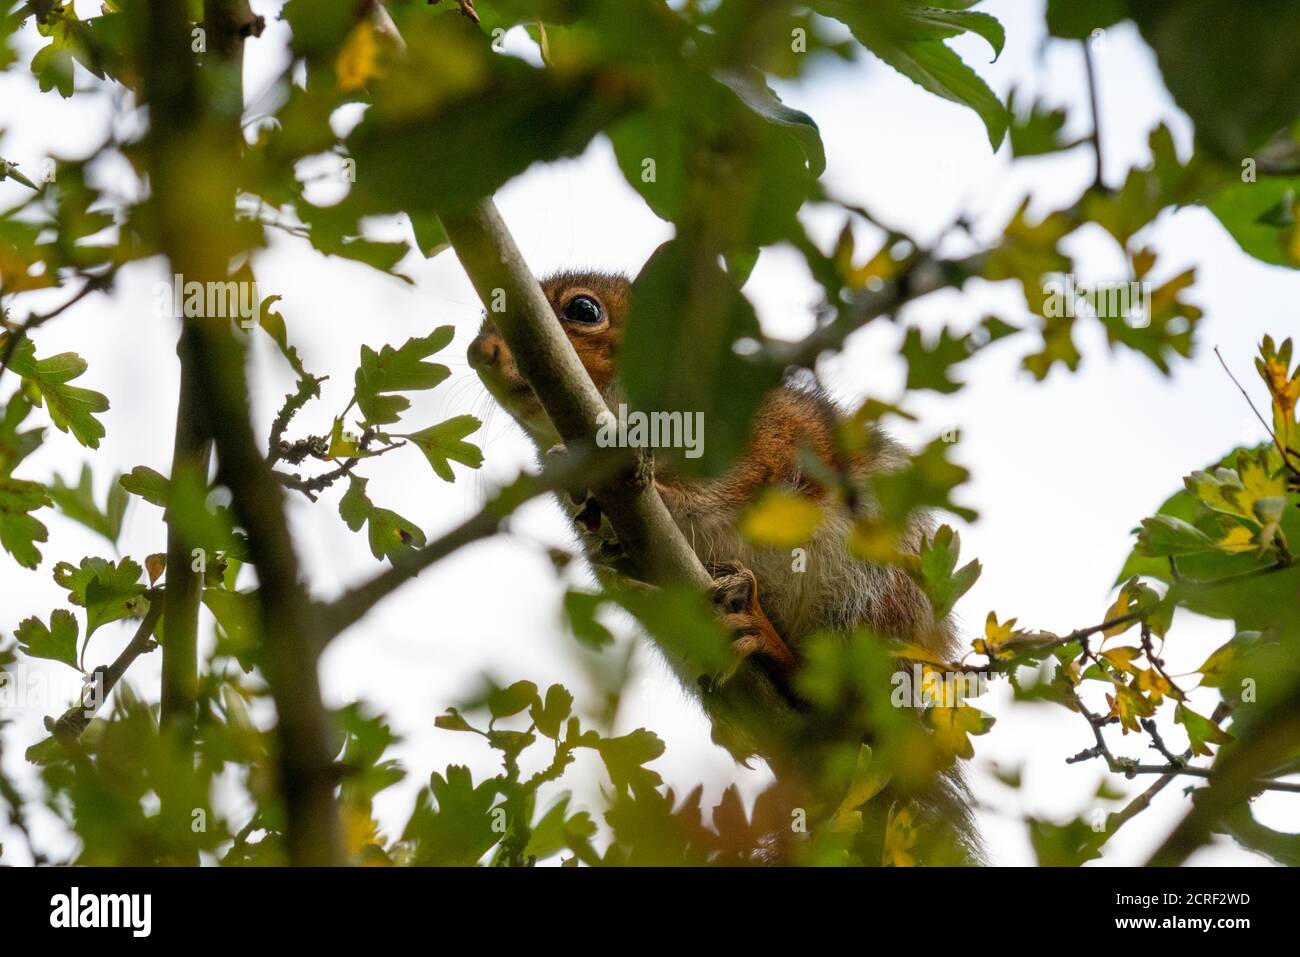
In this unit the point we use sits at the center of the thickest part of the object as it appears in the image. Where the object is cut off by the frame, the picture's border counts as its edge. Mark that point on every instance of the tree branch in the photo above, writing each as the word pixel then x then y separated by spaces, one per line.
pixel 923 276
pixel 183 125
pixel 1240 773
pixel 191 454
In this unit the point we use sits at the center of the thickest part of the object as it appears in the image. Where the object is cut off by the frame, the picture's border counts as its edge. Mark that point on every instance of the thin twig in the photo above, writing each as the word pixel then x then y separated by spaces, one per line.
pixel 1286 457
pixel 1094 104
pixel 313 486
pixel 307 389
pixel 104 679
pixel 14 338
pixel 571 471
pixel 1130 768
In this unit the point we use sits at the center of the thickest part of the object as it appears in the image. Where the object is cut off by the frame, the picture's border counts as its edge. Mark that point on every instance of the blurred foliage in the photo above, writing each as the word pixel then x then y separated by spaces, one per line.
pixel 688 94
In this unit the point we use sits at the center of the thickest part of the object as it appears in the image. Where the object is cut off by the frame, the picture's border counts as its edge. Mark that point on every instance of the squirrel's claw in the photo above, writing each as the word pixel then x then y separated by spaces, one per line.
pixel 735 595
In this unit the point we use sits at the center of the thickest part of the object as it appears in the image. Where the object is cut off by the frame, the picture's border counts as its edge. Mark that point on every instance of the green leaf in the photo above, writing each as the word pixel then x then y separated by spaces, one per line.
pixel 452 824
pixel 107 591
pixel 272 323
pixel 941 581
pixel 453 720
pixel 71 408
pixel 398 370
pixel 79 504
pixel 236 615
pixel 18 530
pixel 928 363
pixel 319 26
pixel 908 35
pixel 150 485
pixel 1065 845
pixel 391 535
pixel 433 139
pixel 580 608
pixel 676 359
pixel 429 236
pixel 1253 214
pixel 549 716
pixel 1201 731
pixel 625 759
pixel 53 68
pixel 927 480
pixel 680 618
pixel 1076 19
pixel 557 830
pixel 503 702
pixel 1279 846
pixel 58 642
pixel 1216 58
pixel 442 444
pixel 16 445
pixel 1164 535
pixel 752 88
pixel 1037 130
pixel 770 167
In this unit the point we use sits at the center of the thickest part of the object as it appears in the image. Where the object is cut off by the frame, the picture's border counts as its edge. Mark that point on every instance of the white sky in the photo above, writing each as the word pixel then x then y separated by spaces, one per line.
pixel 1062 470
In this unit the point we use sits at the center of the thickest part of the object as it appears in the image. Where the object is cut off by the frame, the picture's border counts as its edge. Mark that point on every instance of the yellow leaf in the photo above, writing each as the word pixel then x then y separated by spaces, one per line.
pixel 995 637
pixel 1123 605
pixel 359 828
pixel 1121 659
pixel 900 838
pixel 357 62
pixel 1284 387
pixel 781 519
pixel 954 726
pixel 869 779
pixel 1128 704
pixel 1154 685
pixel 342 444
pixel 881 266
pixel 914 652
pixel 1261 475
pixel 871 541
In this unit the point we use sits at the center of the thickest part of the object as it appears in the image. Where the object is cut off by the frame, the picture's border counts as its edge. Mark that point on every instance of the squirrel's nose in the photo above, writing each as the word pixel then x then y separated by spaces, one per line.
pixel 484 351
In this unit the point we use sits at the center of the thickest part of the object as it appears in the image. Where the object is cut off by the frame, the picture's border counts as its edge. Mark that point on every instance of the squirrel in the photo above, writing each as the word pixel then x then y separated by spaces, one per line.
pixel 770 608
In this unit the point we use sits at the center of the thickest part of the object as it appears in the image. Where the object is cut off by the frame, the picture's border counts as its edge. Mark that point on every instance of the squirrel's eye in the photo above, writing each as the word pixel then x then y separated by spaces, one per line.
pixel 583 309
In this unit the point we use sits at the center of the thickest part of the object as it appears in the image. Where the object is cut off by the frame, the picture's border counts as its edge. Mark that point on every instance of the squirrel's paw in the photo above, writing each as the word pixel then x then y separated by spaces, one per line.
pixel 585 513
pixel 735 595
